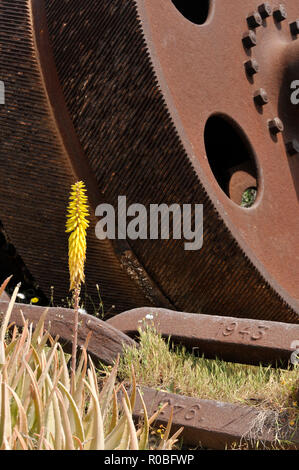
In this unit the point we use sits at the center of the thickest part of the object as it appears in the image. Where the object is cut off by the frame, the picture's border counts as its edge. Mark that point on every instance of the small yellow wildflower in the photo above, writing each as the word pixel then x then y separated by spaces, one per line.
pixel 161 431
pixel 34 300
pixel 292 423
pixel 77 224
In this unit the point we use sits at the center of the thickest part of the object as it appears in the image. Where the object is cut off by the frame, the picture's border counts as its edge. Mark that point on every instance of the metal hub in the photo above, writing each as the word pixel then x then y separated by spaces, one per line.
pixel 152 100
pixel 204 68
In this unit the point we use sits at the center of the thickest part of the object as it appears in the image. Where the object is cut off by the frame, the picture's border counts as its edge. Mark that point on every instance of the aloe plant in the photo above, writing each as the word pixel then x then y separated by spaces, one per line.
pixel 39 410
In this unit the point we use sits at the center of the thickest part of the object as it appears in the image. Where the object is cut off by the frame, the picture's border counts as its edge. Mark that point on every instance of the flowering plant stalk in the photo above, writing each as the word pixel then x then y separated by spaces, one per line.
pixel 39 410
pixel 76 225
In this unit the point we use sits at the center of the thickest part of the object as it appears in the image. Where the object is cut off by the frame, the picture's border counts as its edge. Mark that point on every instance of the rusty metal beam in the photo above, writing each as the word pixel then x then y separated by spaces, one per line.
pixel 105 342
pixel 233 339
pixel 217 425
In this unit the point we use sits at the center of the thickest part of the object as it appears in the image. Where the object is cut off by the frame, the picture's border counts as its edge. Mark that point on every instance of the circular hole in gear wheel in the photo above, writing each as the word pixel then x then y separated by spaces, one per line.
pixel 195 11
pixel 231 157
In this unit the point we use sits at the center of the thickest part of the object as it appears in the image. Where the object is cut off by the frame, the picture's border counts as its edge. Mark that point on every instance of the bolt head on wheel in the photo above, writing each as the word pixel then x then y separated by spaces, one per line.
pixel 293 147
pixel 295 27
pixel 254 20
pixel 249 39
pixel 280 13
pixel 276 126
pixel 265 10
pixel 261 97
pixel 252 67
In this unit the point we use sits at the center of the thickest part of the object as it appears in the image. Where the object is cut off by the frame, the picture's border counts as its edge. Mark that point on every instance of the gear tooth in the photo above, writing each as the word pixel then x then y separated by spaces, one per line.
pixel 115 105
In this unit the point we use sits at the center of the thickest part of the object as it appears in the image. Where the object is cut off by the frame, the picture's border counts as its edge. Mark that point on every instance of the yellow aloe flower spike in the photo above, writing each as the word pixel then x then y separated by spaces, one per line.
pixel 77 224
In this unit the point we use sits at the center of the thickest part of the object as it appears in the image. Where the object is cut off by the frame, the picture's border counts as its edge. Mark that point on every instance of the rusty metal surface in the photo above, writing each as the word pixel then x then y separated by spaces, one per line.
pixel 42 158
pixel 217 84
pixel 118 96
pixel 105 343
pixel 232 339
pixel 216 425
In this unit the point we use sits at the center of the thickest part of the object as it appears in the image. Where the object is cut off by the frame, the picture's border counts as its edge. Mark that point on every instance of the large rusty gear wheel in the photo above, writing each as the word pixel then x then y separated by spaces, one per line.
pixel 163 103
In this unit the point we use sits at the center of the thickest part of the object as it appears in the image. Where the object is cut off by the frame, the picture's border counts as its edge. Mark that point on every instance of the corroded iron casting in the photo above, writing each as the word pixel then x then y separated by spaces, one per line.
pixel 209 423
pixel 164 104
pixel 231 339
pixel 217 425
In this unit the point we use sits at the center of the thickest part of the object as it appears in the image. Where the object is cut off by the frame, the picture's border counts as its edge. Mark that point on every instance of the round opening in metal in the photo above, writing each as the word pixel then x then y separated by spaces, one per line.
pixel 231 159
pixel 196 11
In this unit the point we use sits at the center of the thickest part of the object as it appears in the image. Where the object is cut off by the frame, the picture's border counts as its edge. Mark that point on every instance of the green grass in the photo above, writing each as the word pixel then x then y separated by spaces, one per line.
pixel 249 197
pixel 160 365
